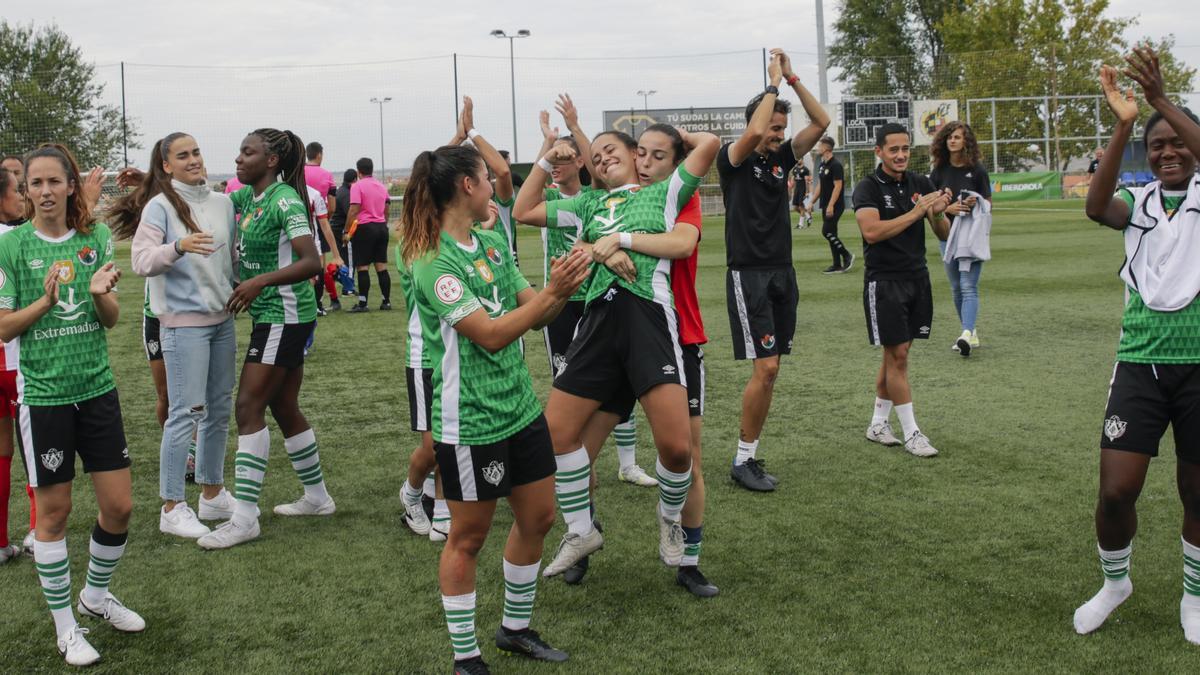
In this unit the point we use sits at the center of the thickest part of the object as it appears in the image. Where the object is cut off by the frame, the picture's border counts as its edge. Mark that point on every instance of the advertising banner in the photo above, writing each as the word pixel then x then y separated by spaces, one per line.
pixel 1007 187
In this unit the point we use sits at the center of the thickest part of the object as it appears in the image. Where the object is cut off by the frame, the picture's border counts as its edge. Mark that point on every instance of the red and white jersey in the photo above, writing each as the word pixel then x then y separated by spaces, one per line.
pixel 683 282
pixel 11 359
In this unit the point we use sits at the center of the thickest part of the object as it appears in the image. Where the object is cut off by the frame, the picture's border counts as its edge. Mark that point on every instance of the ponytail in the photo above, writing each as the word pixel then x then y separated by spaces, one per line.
pixel 291 152
pixel 431 187
pixel 126 214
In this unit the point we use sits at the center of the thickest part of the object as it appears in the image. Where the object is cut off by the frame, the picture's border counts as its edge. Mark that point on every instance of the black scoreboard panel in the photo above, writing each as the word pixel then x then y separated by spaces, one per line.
pixel 862 117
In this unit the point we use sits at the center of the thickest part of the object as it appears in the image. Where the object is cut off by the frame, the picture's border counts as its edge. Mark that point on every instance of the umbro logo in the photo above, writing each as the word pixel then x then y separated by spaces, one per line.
pixel 668 370
pixel 694 402
pixel 924 330
pixel 254 351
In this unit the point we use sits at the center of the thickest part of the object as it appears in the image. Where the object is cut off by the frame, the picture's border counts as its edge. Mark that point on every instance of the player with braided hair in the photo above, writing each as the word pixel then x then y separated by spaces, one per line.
pixel 277 258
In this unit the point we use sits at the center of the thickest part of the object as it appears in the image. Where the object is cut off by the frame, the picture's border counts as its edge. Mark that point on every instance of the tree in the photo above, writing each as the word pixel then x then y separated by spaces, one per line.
pixel 1047 50
pixel 49 93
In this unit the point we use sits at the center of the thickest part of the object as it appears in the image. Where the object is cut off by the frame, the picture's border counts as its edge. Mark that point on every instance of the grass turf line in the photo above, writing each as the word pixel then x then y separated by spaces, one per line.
pixel 865 560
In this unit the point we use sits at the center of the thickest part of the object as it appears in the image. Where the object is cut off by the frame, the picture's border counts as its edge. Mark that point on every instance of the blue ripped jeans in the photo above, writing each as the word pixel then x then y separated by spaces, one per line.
pixel 964 287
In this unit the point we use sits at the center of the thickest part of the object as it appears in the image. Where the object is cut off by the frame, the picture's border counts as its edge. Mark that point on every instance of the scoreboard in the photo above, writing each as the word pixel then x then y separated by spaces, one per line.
pixel 861 117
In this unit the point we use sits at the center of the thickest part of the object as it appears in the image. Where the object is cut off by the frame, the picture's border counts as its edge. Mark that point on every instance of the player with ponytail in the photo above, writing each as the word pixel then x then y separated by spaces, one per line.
pixel 277 257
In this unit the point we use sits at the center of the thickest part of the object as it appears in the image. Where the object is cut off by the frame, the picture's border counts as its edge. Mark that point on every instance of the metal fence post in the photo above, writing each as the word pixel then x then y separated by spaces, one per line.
pixel 124 123
pixel 995 142
pixel 456 89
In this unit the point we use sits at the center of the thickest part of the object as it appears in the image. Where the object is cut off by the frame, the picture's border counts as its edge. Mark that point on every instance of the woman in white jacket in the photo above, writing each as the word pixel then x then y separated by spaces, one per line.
pixel 183 242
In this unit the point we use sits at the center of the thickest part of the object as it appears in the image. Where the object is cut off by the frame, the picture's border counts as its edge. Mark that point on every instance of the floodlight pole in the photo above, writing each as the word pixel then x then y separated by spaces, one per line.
pixel 382 163
pixel 512 73
pixel 822 67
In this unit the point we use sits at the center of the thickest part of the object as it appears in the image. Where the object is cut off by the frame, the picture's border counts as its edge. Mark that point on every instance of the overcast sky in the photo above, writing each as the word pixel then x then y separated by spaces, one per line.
pixel 330 102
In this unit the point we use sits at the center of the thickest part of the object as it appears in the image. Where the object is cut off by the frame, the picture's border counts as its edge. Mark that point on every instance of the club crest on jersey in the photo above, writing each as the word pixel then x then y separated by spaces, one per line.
pixel 87 255
pixel 915 196
pixel 767 341
pixel 484 271
pixel 52 459
pixel 494 472
pixel 1114 427
pixel 258 213
pixel 494 256
pixel 448 288
pixel 66 271
pixel 777 171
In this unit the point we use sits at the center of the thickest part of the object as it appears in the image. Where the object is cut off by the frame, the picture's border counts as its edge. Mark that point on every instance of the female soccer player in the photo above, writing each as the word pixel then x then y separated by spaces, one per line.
pixel 1156 380
pixel 183 239
pixel 628 338
pixel 490 437
pixel 957 167
pixel 56 283
pixel 276 259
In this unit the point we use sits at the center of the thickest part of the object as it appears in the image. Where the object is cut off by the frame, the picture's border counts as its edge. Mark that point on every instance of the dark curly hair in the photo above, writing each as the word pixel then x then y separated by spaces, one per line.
pixel 940 153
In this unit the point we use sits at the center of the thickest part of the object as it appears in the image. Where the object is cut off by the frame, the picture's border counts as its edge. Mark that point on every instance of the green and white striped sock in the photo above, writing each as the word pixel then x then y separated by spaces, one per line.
pixel 1117 588
pixel 1115 564
pixel 302 451
pixel 571 483
pixel 54 573
pixel 625 435
pixel 1191 570
pixel 249 470
pixel 672 490
pixel 520 587
pixel 692 539
pixel 441 514
pixel 460 620
pixel 106 550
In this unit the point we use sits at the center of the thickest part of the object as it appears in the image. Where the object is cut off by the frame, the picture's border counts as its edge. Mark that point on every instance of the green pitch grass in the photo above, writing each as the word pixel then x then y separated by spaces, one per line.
pixel 865 560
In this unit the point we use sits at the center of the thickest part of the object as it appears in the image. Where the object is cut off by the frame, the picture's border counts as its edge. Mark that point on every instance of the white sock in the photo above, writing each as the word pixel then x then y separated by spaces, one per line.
pixel 54 573
pixel 306 461
pixel 429 487
pixel 441 512
pixel 908 421
pixel 571 483
pixel 672 490
pixel 1117 587
pixel 1189 606
pixel 745 451
pixel 410 495
pixel 250 470
pixel 883 410
pixel 625 434
pixel 520 588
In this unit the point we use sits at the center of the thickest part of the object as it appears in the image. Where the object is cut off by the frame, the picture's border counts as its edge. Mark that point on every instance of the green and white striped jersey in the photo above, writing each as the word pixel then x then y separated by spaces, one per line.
pixel 478 397
pixel 418 356
pixel 269 223
pixel 558 241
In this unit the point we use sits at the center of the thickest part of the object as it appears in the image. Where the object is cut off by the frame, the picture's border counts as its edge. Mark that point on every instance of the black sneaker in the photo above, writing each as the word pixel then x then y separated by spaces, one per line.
pixel 691 578
pixel 832 269
pixel 427 505
pixel 527 643
pixel 751 476
pixel 386 306
pixel 358 309
pixel 335 305
pixel 849 262
pixel 472 666
pixel 574 574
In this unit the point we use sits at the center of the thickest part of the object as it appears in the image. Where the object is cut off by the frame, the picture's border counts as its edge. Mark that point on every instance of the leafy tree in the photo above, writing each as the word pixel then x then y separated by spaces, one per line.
pixel 49 93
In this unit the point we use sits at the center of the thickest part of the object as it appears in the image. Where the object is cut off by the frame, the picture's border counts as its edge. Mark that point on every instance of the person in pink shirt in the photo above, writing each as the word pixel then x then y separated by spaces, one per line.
pixel 368 205
pixel 321 181
pixel 233 185
pixel 316 176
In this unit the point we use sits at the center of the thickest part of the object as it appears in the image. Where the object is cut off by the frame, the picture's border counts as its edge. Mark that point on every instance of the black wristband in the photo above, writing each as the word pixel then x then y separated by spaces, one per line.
pixel 178 250
pixel 772 89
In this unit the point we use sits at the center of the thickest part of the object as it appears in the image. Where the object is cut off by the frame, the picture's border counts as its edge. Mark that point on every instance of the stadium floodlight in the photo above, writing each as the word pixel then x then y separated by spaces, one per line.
pixel 512 72
pixel 382 164
pixel 646 94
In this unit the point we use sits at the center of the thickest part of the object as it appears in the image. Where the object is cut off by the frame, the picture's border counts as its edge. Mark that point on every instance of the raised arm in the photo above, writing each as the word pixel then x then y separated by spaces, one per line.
pixel 1102 206
pixel 529 207
pixel 491 156
pixel 1146 72
pixel 756 128
pixel 566 107
pixel 818 120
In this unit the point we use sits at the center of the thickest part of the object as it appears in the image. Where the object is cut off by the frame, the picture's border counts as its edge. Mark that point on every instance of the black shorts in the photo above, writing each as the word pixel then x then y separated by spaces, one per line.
pixel 560 333
pixel 279 344
pixel 50 437
pixel 626 344
pixel 369 244
pixel 762 311
pixel 480 473
pixel 150 341
pixel 898 310
pixel 420 397
pixel 622 403
pixel 1143 399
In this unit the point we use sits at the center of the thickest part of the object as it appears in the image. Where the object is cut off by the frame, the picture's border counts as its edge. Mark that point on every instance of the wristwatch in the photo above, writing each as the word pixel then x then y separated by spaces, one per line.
pixel 771 89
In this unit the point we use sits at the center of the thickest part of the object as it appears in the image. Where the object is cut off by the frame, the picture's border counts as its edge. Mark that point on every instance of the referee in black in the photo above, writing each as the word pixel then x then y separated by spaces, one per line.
pixel 761 292
pixel 891 206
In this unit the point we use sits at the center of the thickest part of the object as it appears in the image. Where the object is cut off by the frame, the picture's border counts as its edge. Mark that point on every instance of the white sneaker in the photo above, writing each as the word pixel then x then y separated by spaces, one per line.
pixel 303 507
pixel 963 344
pixel 415 518
pixel 670 540
pixel 181 521
pixel 919 445
pixel 75 648
pixel 636 475
pixel 881 433
pixel 229 534
pixel 9 552
pixel 217 508
pixel 574 547
pixel 27 543
pixel 111 610
pixel 439 531
pixel 974 339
